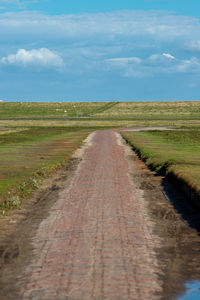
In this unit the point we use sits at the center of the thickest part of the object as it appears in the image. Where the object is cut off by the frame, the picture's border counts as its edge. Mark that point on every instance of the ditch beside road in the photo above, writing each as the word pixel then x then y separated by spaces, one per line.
pixel 105 227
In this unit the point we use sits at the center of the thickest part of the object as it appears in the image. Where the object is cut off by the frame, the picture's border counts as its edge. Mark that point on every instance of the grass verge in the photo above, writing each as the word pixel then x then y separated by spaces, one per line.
pixel 28 156
pixel 175 154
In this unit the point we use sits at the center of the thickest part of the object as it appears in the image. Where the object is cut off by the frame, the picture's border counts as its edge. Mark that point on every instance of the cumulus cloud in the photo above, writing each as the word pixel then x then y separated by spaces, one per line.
pixel 128 43
pixel 86 40
pixel 41 57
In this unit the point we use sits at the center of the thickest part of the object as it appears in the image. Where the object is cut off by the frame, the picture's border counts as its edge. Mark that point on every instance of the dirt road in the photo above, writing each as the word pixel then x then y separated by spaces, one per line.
pixel 96 242
pixel 103 228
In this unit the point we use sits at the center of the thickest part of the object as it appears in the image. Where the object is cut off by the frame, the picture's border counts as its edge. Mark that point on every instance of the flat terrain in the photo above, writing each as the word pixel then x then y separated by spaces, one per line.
pixel 187 110
pixel 95 236
pixel 100 224
pixel 30 132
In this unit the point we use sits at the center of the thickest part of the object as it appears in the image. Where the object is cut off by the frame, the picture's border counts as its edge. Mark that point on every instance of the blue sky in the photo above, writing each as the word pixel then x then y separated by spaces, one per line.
pixel 99 50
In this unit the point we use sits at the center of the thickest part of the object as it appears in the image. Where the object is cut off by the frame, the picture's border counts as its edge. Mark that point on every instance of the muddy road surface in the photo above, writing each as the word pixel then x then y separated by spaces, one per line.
pixel 107 230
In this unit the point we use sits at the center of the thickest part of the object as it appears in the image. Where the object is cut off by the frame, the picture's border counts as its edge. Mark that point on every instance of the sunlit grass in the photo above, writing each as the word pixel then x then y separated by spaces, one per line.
pixel 187 110
pixel 37 138
pixel 52 110
pixel 171 151
pixel 28 156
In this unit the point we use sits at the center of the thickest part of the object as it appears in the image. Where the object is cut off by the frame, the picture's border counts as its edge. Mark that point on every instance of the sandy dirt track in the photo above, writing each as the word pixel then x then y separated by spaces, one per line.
pixel 97 241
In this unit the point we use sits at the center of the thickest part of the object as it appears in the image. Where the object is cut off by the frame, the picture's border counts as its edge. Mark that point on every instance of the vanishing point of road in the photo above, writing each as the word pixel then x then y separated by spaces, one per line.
pixel 97 242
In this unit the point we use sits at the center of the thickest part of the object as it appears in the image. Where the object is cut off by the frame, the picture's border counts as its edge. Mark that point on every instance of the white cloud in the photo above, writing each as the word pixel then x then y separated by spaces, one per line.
pixel 42 57
pixel 193 46
pixel 133 43
pixel 161 26
pixel 19 3
pixel 161 58
pixel 154 64
pixel 168 55
pixel 189 65
pixel 16 3
pixel 123 61
pixel 9 1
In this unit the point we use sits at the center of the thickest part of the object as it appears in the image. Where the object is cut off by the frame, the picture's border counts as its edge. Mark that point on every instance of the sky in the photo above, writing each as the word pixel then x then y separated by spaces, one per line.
pixel 75 50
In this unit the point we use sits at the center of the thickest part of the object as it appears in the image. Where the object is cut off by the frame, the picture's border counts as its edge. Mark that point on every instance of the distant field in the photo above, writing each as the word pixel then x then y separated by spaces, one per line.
pixel 62 110
pixel 177 152
pixel 84 111
pixel 27 156
pixel 153 111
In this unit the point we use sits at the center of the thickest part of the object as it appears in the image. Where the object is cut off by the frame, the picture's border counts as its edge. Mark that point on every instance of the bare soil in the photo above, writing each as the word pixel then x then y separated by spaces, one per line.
pixel 105 227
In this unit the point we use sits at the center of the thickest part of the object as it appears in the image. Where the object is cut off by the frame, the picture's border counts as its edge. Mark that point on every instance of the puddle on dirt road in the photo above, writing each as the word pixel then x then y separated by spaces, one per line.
pixel 177 223
pixel 186 244
pixel 192 291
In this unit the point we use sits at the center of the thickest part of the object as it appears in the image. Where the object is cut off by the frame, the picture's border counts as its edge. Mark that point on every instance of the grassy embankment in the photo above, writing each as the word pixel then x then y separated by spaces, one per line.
pixel 30 155
pixel 172 153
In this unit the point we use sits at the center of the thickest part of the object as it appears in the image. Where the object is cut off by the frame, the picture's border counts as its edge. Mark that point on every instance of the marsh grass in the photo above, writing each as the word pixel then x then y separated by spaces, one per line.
pixel 170 152
pixel 187 110
pixel 29 156
pixel 38 138
pixel 52 110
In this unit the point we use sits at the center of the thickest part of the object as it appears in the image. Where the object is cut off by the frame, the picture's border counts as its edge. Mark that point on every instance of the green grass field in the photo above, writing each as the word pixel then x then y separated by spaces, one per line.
pixel 153 111
pixel 188 110
pixel 29 155
pixel 62 110
pixel 176 152
pixel 37 138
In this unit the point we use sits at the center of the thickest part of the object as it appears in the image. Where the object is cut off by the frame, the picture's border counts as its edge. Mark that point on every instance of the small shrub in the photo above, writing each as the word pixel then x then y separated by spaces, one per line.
pixel 12 202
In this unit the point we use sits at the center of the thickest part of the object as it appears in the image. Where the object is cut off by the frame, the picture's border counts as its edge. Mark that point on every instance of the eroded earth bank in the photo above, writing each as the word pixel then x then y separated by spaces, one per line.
pixel 103 229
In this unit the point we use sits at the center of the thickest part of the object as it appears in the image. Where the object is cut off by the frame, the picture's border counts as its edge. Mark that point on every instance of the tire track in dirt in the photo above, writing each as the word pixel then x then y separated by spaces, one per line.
pixel 96 242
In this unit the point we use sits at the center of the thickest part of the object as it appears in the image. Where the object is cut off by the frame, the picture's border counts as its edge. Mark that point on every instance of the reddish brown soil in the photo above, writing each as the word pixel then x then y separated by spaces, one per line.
pixel 95 243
